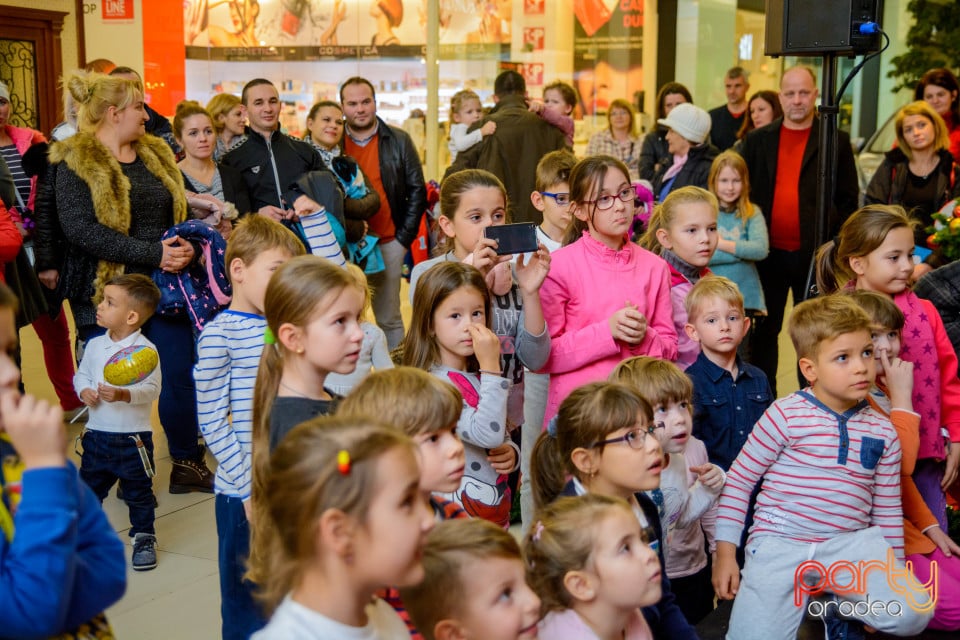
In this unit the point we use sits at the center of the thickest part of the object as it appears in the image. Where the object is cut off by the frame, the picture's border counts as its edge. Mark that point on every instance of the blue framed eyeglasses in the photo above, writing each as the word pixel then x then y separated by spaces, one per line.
pixel 562 199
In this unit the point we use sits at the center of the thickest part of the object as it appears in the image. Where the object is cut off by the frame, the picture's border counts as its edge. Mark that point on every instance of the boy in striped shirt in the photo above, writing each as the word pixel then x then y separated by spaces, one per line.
pixel 830 468
pixel 228 354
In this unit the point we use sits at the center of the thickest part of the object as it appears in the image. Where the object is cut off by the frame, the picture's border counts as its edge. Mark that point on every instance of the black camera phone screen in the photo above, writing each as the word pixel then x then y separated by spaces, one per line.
pixel 513 238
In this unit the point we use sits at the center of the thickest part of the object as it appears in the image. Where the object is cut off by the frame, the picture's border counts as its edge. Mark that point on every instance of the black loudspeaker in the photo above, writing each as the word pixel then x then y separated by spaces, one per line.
pixel 815 27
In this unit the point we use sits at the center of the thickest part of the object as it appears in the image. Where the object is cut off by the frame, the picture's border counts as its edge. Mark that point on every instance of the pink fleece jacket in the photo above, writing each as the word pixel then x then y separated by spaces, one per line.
pixel 588 282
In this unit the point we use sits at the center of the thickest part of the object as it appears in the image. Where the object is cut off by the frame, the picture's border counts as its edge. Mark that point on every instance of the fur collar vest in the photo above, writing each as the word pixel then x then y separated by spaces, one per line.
pixel 93 163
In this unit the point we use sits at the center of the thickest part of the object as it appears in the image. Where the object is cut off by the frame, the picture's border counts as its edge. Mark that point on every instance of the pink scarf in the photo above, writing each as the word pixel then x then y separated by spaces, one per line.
pixel 678 162
pixel 919 347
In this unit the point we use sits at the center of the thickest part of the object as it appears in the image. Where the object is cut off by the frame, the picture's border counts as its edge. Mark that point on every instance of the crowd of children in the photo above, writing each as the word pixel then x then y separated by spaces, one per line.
pixel 359 499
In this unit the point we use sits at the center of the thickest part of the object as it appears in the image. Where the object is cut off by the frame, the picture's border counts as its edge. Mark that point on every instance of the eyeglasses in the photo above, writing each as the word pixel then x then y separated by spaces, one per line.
pixel 627 194
pixel 562 199
pixel 635 438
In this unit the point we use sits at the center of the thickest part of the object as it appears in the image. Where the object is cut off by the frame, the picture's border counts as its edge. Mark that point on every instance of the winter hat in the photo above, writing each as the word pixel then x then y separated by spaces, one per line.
pixel 4 92
pixel 690 121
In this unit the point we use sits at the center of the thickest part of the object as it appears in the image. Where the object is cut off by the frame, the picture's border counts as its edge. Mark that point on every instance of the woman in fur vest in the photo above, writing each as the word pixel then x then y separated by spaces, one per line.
pixel 117 190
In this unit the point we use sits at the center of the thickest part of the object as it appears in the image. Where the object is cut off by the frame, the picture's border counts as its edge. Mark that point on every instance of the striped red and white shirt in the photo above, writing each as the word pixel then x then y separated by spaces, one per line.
pixel 823 474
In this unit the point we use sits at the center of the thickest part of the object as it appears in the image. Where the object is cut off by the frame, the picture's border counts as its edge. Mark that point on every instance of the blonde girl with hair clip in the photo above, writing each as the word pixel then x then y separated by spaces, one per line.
pixel 605 298
pixel 743 240
pixel 588 562
pixel 342 517
pixel 874 251
pixel 689 484
pixel 450 337
pixel 312 308
pixel 466 110
pixel 602 442
pixel 683 231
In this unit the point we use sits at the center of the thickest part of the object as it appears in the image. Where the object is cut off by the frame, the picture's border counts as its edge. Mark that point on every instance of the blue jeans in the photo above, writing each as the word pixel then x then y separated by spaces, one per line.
pixel 386 292
pixel 108 457
pixel 177 406
pixel 240 615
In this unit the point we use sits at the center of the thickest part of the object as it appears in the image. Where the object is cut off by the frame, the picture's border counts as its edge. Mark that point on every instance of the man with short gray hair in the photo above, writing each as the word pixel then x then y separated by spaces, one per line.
pixel 727 119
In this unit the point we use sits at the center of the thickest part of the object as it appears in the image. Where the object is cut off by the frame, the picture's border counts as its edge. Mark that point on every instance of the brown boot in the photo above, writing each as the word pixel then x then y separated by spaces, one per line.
pixel 190 475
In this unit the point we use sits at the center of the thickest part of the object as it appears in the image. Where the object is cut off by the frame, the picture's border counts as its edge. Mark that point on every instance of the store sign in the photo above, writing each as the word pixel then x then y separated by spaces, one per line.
pixel 533 7
pixel 533 38
pixel 117 9
pixel 312 30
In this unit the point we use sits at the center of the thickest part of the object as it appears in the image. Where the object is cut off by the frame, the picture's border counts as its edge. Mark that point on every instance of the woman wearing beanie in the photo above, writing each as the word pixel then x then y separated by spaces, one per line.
pixel 688 133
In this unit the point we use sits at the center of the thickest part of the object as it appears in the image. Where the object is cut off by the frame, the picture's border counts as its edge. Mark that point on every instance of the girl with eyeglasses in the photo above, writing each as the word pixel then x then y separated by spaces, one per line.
pixel 603 442
pixel 605 298
pixel 690 486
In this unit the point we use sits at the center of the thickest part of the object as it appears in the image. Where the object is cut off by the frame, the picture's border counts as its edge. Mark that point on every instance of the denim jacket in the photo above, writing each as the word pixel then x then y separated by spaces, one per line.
pixel 724 409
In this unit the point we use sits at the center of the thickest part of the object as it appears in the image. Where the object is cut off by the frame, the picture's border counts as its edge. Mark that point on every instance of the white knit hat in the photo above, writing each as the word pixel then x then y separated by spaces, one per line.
pixel 690 121
pixel 4 92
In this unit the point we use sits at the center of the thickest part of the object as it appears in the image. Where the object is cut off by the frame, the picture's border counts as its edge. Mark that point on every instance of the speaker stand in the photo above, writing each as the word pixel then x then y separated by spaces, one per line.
pixel 826 162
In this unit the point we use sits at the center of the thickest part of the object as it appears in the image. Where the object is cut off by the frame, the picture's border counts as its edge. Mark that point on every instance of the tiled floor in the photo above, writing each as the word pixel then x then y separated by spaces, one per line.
pixel 181 597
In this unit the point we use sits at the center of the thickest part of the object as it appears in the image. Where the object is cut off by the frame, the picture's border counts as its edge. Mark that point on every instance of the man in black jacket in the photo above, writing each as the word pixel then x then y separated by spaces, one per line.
pixel 782 159
pixel 269 160
pixel 389 159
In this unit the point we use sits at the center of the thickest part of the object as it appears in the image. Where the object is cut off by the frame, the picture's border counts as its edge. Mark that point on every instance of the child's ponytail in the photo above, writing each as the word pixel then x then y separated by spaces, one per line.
pixel 293 295
pixel 830 272
pixel 548 468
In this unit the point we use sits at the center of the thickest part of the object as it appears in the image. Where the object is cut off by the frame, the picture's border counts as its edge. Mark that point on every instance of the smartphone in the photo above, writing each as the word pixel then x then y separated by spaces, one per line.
pixel 513 238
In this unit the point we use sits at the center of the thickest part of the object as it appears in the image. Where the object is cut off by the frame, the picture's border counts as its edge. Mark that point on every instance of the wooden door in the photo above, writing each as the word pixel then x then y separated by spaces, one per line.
pixel 31 66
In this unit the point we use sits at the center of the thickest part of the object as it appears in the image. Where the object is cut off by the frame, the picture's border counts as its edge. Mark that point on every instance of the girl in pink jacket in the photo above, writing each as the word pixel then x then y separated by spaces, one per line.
pixel 605 298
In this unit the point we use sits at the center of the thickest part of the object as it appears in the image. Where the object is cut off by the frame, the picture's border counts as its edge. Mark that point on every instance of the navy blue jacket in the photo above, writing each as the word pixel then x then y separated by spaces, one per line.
pixel 724 409
pixel 666 620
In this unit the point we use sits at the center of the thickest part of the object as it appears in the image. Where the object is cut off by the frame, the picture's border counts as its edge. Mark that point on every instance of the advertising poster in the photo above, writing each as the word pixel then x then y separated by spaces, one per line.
pixel 607 52
pixel 334 29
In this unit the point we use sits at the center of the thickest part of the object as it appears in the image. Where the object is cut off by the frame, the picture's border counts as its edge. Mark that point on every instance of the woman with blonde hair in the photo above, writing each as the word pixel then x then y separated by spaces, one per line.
pixel 620 139
pixel 918 174
pixel 228 122
pixel 118 190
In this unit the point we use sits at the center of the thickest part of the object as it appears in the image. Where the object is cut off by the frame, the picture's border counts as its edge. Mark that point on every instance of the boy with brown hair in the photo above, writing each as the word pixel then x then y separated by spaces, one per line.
pixel 830 499
pixel 729 394
pixel 468 565
pixel 552 196
pixel 228 354
pixel 118 439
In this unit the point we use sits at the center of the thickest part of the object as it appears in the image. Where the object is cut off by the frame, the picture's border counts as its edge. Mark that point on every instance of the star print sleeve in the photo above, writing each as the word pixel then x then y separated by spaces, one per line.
pixel 949 383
